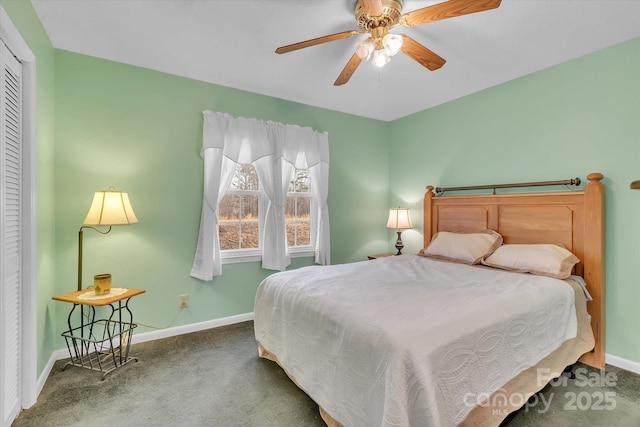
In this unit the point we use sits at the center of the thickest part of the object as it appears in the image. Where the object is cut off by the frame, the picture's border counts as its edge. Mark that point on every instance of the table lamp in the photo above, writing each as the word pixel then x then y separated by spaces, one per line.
pixel 109 207
pixel 399 219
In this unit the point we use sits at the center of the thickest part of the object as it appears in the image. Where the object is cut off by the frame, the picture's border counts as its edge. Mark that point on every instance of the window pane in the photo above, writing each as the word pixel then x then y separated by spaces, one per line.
pixel 249 207
pixel 301 182
pixel 304 235
pixel 229 235
pixel 291 232
pixel 228 213
pixel 298 220
pixel 250 233
pixel 250 222
pixel 239 222
pixel 304 221
pixel 245 178
pixel 290 207
pixel 304 207
pixel 229 208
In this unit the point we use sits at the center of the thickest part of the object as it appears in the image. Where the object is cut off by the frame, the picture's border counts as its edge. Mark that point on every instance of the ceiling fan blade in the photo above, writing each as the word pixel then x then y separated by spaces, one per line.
pixel 421 54
pixel 317 40
pixel 372 7
pixel 447 9
pixel 348 70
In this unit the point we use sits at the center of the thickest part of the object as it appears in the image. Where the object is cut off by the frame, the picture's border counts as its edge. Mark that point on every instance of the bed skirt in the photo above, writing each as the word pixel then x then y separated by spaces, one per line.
pixel 266 354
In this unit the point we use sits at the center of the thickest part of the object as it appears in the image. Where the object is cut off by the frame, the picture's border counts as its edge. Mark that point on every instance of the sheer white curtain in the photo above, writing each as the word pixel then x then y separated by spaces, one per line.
pixel 306 151
pixel 320 190
pixel 273 175
pixel 274 149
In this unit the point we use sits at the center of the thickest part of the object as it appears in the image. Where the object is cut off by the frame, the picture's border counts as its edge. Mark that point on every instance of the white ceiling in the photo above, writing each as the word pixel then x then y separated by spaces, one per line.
pixel 232 43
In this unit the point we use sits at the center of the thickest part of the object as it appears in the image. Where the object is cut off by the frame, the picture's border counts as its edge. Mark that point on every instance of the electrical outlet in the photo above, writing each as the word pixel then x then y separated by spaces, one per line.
pixel 184 300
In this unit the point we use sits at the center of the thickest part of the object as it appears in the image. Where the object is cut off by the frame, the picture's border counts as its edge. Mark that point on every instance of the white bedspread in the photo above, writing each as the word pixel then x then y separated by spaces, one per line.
pixel 408 341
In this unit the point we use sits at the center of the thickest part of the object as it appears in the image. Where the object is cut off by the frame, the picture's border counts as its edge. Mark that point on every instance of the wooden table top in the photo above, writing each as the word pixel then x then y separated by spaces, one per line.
pixel 72 297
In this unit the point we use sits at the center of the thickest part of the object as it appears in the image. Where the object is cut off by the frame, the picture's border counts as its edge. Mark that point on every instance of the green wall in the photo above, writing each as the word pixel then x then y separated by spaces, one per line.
pixel 569 120
pixel 27 22
pixel 139 130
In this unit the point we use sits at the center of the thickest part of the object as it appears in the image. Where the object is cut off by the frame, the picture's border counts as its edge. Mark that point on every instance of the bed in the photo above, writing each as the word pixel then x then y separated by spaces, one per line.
pixel 417 340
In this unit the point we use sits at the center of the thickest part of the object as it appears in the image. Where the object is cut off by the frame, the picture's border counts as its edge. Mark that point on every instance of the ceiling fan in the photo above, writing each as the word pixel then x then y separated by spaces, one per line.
pixel 377 17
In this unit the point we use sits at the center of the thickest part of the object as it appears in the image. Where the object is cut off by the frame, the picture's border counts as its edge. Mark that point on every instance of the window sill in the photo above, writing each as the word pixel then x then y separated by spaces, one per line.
pixel 236 259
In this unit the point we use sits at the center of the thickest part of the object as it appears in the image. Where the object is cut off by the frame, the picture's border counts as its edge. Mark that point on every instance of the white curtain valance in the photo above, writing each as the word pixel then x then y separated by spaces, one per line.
pixel 246 140
pixel 274 149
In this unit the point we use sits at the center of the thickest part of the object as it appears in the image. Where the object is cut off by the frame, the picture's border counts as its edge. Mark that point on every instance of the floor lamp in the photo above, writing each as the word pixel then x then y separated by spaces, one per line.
pixel 109 207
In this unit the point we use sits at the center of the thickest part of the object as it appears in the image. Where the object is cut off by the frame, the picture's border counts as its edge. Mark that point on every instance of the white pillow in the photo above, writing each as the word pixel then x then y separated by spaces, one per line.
pixel 542 259
pixel 466 248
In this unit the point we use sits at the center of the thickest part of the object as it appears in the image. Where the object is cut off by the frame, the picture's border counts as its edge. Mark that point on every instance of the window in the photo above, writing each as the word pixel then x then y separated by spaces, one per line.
pixel 260 216
pixel 240 221
pixel 238 211
pixel 297 210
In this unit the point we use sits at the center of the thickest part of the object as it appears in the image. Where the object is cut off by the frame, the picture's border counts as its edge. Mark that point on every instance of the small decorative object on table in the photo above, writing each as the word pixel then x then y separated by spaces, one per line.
pixel 102 284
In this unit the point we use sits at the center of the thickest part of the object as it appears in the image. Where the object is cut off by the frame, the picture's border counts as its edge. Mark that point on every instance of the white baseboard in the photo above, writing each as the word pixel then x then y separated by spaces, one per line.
pixel 193 327
pixel 56 355
pixel 63 353
pixel 625 364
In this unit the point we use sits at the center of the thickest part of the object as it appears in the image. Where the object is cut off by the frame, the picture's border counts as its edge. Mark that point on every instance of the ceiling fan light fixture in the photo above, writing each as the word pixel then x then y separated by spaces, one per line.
pixel 392 43
pixel 364 49
pixel 377 17
pixel 380 58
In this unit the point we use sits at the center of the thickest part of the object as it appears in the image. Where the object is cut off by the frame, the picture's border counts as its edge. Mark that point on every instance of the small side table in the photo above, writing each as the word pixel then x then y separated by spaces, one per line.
pixel 379 256
pixel 99 344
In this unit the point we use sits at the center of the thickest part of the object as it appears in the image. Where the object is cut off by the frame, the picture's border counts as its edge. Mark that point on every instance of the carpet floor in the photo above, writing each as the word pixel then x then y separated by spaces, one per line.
pixel 215 378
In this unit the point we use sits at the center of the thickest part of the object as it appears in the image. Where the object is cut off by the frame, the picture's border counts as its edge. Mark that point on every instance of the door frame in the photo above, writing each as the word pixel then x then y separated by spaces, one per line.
pixel 14 41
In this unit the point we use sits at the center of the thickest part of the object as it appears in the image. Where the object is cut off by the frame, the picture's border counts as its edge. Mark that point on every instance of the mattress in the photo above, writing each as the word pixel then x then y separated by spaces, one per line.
pixel 407 340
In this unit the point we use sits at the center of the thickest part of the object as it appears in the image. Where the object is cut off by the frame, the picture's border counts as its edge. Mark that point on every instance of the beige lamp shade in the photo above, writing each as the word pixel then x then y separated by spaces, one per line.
pixel 110 208
pixel 399 219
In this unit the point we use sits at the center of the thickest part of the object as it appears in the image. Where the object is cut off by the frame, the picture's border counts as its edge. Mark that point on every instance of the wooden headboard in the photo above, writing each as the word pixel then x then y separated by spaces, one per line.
pixel 573 218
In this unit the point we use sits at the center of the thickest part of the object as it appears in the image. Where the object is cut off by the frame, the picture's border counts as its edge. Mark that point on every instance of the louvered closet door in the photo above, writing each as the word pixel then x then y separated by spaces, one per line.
pixel 10 235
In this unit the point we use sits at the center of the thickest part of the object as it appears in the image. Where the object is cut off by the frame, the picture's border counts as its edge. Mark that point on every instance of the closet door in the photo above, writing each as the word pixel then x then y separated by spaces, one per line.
pixel 10 235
